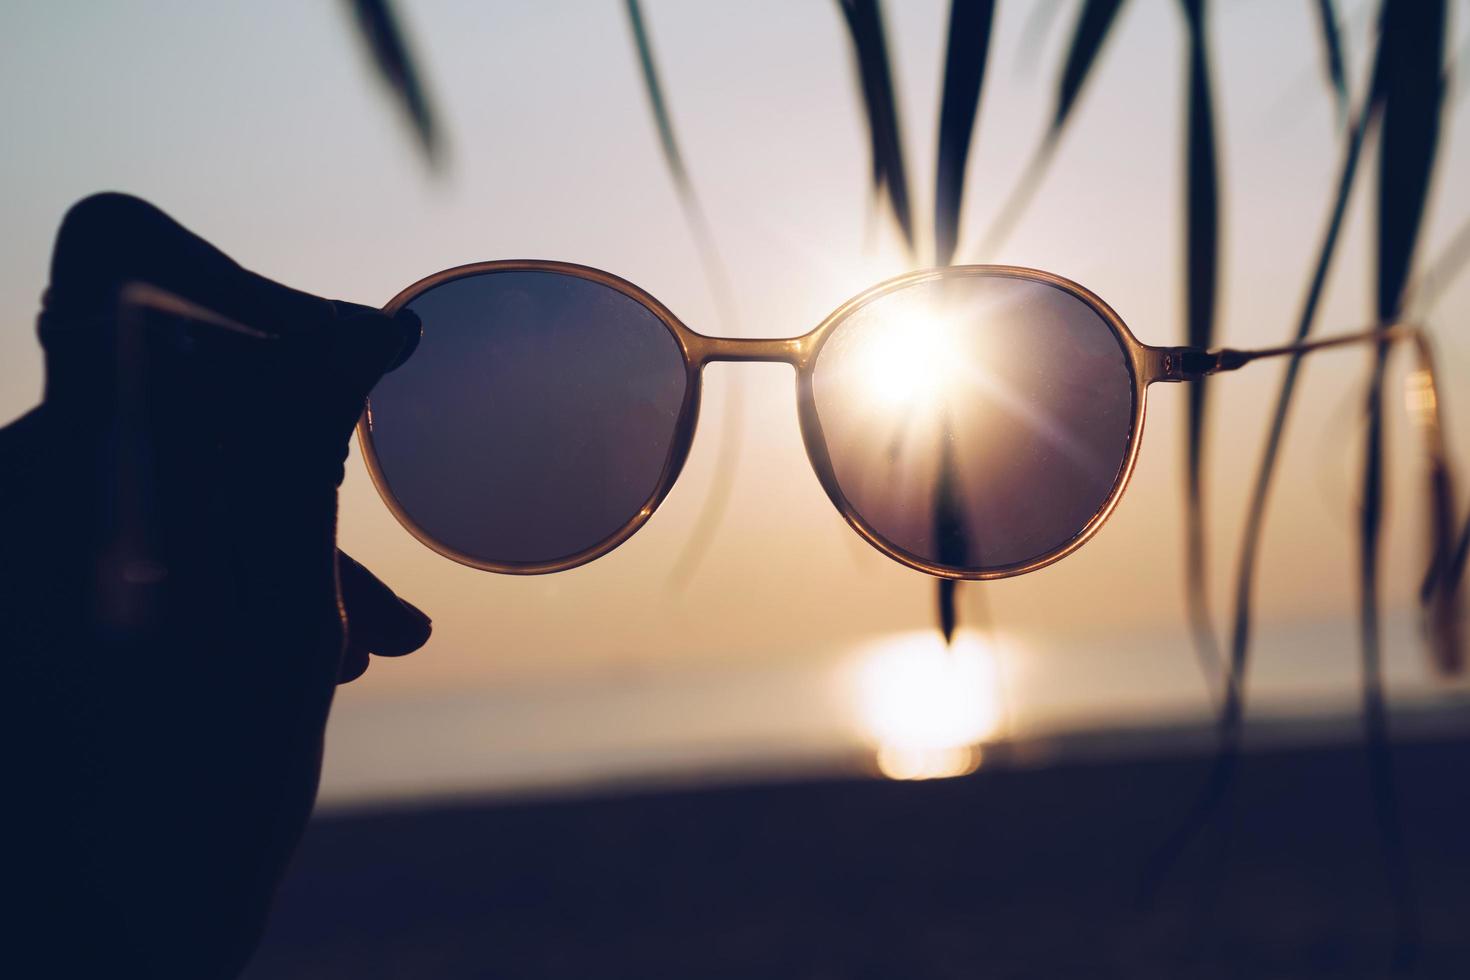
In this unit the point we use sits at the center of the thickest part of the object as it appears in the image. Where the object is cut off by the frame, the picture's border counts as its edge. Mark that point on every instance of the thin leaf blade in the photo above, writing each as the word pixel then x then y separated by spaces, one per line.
pixel 864 19
pixel 657 104
pixel 1233 708
pixel 390 53
pixel 1332 54
pixel 1233 703
pixel 1409 89
pixel 1094 26
pixel 718 282
pixel 966 54
pixel 1201 269
pixel 951 536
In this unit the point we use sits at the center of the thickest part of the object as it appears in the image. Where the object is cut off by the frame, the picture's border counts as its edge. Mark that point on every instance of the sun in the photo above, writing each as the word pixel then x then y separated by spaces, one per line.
pixel 905 359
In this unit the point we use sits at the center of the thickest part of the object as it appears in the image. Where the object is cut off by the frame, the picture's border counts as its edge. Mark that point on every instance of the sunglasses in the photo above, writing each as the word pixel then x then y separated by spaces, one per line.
pixel 971 422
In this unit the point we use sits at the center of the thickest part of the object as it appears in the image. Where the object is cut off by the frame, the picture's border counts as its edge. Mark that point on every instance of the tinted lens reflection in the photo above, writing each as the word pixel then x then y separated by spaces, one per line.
pixel 976 421
pixel 535 418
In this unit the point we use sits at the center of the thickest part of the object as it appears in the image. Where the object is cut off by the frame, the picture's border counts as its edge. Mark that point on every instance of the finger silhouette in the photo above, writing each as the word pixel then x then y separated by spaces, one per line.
pixel 378 621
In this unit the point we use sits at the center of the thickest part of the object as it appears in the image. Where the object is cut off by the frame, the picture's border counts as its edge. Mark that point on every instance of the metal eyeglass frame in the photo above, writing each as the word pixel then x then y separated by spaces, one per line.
pixel 1146 365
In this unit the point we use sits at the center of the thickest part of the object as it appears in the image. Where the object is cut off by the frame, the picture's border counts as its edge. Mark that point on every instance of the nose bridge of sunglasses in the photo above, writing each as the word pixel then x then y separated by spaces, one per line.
pixel 783 350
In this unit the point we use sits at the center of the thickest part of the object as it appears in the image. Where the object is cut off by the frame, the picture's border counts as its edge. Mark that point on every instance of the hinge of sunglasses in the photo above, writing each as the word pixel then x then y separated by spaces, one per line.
pixel 1194 363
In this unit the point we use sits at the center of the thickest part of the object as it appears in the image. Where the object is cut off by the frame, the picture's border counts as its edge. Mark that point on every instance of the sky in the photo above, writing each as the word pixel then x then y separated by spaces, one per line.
pixel 262 127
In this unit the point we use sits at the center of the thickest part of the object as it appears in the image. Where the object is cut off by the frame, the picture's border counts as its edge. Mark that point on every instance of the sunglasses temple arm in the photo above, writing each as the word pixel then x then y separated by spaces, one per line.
pixel 1439 591
pixel 1194 363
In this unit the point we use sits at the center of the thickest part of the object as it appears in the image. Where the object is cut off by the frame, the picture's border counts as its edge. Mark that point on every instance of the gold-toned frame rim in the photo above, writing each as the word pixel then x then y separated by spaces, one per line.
pixel 1145 365
pixel 683 436
pixel 1140 360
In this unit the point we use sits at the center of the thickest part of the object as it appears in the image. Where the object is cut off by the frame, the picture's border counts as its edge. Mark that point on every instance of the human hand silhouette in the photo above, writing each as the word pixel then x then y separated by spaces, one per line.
pixel 174 613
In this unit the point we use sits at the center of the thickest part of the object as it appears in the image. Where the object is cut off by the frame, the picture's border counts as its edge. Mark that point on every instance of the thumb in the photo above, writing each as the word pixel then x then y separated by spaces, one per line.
pixel 365 344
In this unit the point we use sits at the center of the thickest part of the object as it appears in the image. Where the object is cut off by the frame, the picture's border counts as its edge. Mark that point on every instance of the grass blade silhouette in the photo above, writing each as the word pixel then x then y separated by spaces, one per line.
pixel 1409 91
pixel 966 54
pixel 967 51
pixel 1332 52
pixel 1201 281
pixel 964 75
pixel 1404 183
pixel 385 41
pixel 673 158
pixel 1232 708
pixel 951 537
pixel 1094 23
pixel 864 19
pixel 718 282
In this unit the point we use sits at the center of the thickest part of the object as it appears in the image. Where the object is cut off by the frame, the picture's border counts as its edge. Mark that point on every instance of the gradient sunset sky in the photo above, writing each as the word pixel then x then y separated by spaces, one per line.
pixel 262 127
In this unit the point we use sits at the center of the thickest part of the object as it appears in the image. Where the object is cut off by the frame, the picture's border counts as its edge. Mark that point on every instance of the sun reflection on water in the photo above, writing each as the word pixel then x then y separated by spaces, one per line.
pixel 926 707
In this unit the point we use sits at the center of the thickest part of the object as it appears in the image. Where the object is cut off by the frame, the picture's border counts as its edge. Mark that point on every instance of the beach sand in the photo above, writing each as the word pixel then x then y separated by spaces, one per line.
pixel 1016 871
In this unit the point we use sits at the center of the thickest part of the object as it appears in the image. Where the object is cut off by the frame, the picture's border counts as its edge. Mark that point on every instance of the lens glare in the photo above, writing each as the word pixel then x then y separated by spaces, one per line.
pixel 977 421
pixel 535 418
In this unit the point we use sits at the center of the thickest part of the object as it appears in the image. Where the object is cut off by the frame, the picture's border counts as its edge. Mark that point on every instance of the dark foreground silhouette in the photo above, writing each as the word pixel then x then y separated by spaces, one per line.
pixel 171 623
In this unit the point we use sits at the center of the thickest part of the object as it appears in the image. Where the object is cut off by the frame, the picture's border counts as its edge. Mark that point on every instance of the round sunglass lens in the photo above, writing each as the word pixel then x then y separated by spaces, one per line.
pixel 976 422
pixel 534 421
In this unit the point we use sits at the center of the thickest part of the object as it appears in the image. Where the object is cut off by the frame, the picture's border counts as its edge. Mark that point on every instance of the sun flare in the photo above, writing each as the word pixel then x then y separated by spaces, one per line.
pixel 906 360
